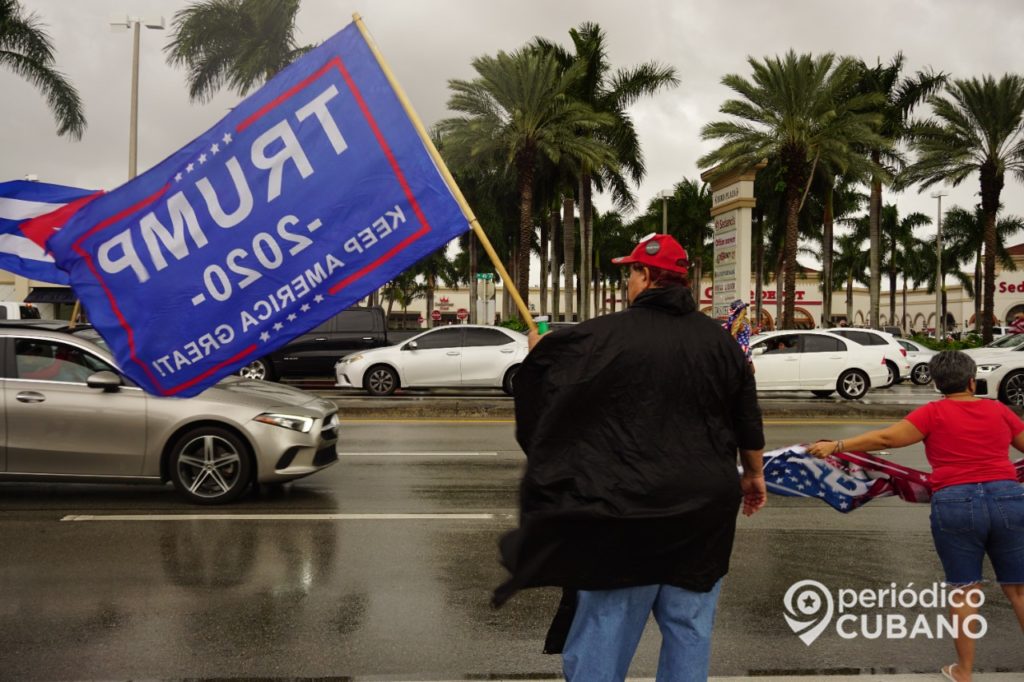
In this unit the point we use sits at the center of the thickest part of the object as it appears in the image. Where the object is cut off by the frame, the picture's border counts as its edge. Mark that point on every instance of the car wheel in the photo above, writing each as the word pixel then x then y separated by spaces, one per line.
pixel 852 384
pixel 921 374
pixel 380 380
pixel 506 383
pixel 822 394
pixel 210 465
pixel 260 370
pixel 894 374
pixel 1012 390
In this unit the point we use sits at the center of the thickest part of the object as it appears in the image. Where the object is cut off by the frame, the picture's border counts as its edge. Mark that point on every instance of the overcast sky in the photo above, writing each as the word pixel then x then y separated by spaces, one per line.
pixel 428 42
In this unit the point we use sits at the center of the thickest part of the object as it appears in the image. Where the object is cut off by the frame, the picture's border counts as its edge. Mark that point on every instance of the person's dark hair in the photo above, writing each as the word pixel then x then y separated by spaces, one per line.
pixel 662 278
pixel 951 370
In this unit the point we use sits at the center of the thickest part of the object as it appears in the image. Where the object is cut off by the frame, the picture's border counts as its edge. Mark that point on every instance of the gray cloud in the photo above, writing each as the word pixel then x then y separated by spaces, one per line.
pixel 429 42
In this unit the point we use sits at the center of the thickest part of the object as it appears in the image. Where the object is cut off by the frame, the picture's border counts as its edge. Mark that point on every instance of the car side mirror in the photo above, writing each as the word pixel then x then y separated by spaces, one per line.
pixel 412 345
pixel 107 381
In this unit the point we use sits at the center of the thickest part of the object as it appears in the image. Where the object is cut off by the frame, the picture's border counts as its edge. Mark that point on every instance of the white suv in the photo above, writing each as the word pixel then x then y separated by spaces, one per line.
pixel 895 354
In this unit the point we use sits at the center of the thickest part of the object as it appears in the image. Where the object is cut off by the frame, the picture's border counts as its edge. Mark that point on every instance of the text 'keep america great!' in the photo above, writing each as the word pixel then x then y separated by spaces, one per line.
pixel 308 195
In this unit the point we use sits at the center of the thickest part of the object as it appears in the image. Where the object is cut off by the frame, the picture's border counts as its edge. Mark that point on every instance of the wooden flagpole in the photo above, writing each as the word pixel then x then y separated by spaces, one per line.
pixel 446 174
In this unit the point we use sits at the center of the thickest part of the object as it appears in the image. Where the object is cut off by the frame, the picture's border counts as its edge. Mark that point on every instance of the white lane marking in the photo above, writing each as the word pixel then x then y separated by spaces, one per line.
pixel 278 517
pixel 438 453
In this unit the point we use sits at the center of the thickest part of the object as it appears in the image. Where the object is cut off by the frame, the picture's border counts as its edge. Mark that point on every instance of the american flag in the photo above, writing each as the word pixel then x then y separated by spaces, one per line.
pixel 29 213
pixel 846 480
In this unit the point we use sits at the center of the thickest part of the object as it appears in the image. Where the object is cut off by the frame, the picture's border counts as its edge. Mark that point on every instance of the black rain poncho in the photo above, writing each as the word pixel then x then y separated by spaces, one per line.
pixel 630 423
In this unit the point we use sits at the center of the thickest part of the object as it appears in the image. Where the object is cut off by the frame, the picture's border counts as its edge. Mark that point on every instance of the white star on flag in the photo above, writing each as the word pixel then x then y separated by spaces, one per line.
pixel 214 148
pixel 190 167
pixel 304 308
pixel 291 318
pixel 264 337
pixel 227 138
pixel 202 159
pixel 318 298
pixel 278 326
pixel 177 178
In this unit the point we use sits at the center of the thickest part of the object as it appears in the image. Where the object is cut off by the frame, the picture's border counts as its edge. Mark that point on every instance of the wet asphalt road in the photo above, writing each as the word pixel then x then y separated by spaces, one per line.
pixel 407 598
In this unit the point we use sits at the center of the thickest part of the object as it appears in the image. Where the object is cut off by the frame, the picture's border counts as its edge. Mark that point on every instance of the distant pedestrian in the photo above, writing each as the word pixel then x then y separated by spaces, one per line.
pixel 631 423
pixel 739 328
pixel 977 502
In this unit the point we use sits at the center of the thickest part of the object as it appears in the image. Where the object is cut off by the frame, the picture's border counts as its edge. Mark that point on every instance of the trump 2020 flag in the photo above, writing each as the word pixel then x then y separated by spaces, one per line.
pixel 21 201
pixel 307 196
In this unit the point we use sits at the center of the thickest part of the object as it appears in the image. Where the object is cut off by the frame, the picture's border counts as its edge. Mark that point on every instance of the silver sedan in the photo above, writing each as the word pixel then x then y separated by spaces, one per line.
pixel 72 416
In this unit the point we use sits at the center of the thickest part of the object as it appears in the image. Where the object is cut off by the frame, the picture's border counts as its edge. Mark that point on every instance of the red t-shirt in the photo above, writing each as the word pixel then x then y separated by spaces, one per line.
pixel 967 441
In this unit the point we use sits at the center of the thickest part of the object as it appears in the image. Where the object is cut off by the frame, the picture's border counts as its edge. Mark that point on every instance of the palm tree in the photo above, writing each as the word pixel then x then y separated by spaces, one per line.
pixel 25 49
pixel 611 94
pixel 233 44
pixel 963 236
pixel 404 290
pixel 799 110
pixel 850 265
pixel 899 98
pixel 976 128
pixel 520 109
pixel 437 267
pixel 899 234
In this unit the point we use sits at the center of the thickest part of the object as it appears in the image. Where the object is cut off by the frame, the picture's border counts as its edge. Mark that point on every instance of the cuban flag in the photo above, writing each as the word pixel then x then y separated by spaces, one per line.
pixel 309 195
pixel 846 480
pixel 22 239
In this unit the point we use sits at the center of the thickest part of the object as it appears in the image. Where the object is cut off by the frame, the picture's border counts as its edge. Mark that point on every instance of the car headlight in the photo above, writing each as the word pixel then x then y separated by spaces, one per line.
pixel 287 421
pixel 350 358
pixel 988 368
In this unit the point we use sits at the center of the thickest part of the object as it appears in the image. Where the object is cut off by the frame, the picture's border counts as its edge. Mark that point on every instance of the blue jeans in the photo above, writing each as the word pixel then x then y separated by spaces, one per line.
pixel 609 623
pixel 974 519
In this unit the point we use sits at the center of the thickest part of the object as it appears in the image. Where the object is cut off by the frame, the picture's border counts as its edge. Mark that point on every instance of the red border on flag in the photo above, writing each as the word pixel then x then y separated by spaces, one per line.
pixel 335 63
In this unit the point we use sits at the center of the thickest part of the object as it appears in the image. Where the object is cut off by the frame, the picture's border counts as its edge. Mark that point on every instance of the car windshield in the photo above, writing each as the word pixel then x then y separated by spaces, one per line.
pixel 1010 341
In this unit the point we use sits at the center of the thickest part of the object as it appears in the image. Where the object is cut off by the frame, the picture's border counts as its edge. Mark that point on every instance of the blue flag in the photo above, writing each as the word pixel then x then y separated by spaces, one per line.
pixel 312 193
pixel 21 201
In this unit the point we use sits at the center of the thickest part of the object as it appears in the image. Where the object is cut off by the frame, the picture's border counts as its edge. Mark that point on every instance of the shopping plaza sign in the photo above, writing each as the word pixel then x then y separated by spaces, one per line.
pixel 732 198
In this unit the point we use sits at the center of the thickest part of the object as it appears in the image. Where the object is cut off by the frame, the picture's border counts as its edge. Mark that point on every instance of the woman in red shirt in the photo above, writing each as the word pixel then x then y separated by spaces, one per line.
pixel 977 502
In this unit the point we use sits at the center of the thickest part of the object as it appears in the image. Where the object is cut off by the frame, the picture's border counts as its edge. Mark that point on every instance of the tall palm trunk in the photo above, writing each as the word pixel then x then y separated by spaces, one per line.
pixel 977 289
pixel 892 280
pixel 525 168
pixel 991 187
pixel 544 260
pixel 474 287
pixel 758 265
pixel 849 299
pixel 556 266
pixel 903 317
pixel 792 235
pixel 875 244
pixel 431 284
pixel 826 256
pixel 569 252
pixel 586 244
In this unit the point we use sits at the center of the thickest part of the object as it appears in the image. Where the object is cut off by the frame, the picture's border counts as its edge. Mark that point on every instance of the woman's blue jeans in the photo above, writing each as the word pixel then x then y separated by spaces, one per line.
pixel 609 623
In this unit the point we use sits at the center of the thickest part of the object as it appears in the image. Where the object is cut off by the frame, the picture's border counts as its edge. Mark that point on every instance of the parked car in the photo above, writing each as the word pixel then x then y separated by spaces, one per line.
pixel 460 355
pixel 816 361
pixel 12 310
pixel 1002 343
pixel 919 356
pixel 71 415
pixel 895 355
pixel 1000 376
pixel 315 352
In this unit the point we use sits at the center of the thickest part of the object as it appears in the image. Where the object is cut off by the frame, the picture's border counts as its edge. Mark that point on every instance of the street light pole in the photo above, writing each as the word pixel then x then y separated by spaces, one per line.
pixel 135 24
pixel 665 194
pixel 940 321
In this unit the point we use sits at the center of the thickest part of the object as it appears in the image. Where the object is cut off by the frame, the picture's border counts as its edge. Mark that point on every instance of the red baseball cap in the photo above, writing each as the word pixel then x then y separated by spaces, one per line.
pixel 658 251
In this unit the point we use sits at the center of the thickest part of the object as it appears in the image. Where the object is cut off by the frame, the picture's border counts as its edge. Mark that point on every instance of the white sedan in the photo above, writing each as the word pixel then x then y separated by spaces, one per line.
pixel 1000 375
pixel 919 357
pixel 462 356
pixel 817 361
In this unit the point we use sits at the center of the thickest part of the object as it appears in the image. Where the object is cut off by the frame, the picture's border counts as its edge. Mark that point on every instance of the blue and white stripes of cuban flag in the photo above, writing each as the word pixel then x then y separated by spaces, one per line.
pixel 21 200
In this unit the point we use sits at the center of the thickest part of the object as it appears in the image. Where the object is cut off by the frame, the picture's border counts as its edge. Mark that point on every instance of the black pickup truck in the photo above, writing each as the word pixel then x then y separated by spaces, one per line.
pixel 315 352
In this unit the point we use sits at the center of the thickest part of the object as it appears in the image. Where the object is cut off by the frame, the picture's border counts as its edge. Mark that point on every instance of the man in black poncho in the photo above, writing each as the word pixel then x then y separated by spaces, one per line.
pixel 631 424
